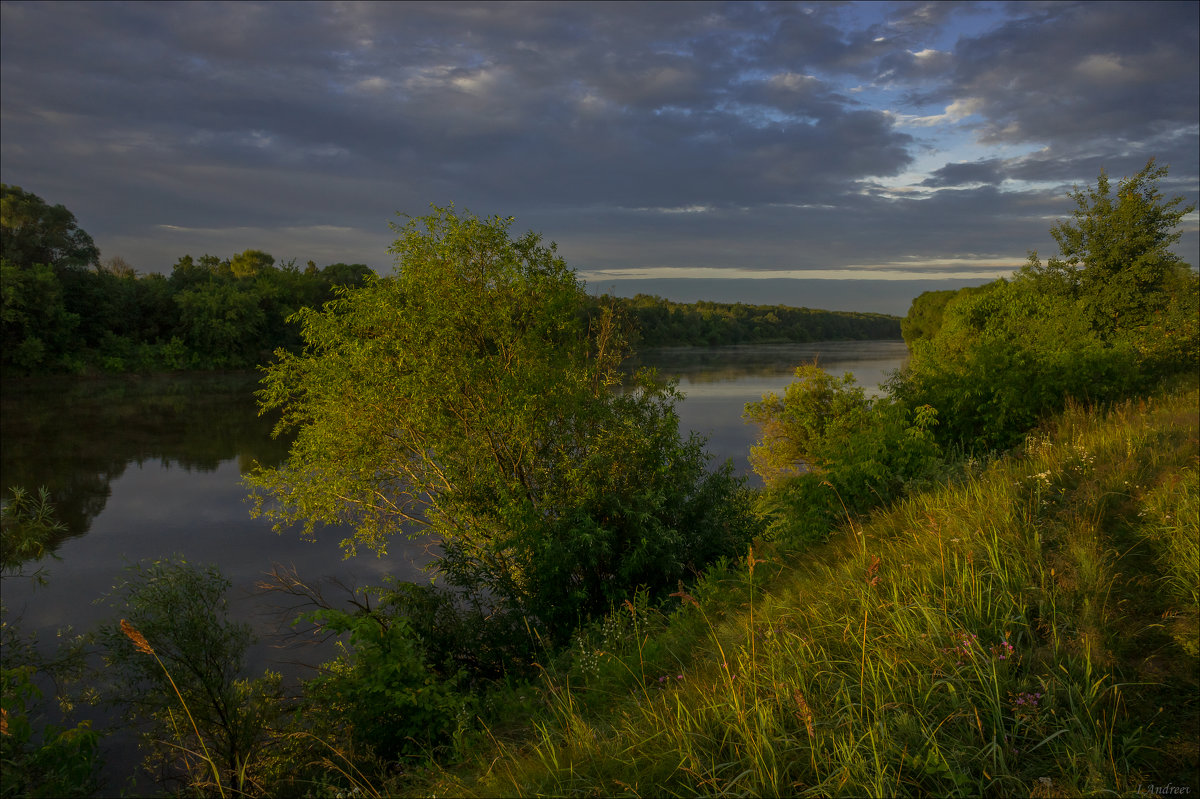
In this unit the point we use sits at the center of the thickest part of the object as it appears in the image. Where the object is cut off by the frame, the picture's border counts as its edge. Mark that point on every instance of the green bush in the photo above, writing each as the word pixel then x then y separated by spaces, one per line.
pixel 186 660
pixel 380 693
pixel 1113 313
pixel 828 451
pixel 46 761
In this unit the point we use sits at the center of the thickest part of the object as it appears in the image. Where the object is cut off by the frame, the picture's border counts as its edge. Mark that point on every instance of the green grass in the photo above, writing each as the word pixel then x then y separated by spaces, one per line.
pixel 1029 630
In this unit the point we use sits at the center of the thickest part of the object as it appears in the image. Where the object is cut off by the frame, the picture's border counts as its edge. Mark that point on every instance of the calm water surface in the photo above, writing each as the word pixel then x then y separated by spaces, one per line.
pixel 152 467
pixel 143 468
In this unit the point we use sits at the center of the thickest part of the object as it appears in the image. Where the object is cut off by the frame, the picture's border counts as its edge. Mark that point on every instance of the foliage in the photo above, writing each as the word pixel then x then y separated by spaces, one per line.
pixel 927 312
pixel 195 671
pixel 65 311
pixel 471 397
pixel 28 525
pixel 34 232
pixel 35 326
pixel 660 322
pixel 37 757
pixel 1114 312
pixel 1115 256
pixel 802 431
pixel 50 761
pixel 1006 357
pixel 827 451
pixel 381 693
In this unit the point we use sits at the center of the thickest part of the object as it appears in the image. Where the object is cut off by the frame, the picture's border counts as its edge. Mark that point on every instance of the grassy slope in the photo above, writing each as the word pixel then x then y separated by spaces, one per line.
pixel 1031 630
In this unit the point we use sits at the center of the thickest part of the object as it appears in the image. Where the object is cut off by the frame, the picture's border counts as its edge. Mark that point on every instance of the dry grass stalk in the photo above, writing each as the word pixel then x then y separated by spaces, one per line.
pixel 804 714
pixel 139 640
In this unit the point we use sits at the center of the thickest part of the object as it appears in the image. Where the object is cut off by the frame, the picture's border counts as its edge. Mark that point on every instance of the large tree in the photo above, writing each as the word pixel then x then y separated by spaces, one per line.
pixel 472 397
pixel 1115 253
pixel 34 232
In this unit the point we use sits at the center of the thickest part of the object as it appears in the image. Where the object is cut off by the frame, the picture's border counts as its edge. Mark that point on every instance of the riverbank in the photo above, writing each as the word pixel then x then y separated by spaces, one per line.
pixel 1028 629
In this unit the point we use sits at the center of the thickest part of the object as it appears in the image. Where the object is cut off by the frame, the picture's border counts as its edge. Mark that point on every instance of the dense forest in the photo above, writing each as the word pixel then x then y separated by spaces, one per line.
pixel 661 323
pixel 67 311
pixel 982 582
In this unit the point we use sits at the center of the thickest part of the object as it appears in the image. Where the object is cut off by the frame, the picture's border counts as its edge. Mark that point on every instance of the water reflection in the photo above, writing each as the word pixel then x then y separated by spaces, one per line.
pixel 76 436
pixel 718 382
pixel 149 468
pixel 152 467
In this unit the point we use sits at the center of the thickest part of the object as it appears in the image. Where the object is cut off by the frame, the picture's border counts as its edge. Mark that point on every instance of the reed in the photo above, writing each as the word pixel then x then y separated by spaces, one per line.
pixel 142 645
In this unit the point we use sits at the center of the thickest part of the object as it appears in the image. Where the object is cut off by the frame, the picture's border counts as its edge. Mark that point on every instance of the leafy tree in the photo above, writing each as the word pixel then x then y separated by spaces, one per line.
pixel 250 263
pixel 472 397
pixel 1114 310
pixel 661 322
pixel 222 323
pixel 342 274
pixel 827 449
pixel 816 409
pixel 1115 256
pixel 36 328
pixel 33 232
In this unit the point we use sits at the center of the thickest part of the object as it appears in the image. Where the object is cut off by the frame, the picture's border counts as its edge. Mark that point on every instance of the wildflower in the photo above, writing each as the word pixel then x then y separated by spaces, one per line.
pixel 1025 704
pixel 965 647
pixel 1003 650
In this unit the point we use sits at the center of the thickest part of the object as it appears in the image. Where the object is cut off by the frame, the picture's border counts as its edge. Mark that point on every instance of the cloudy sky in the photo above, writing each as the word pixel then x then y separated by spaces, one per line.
pixel 831 155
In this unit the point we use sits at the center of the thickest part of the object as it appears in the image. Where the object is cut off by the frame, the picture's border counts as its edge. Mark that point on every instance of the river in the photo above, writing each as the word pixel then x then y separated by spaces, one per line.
pixel 151 467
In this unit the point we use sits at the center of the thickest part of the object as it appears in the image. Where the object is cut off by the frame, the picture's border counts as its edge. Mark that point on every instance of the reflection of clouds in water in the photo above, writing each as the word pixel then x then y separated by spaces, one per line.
pixel 160 502
pixel 160 510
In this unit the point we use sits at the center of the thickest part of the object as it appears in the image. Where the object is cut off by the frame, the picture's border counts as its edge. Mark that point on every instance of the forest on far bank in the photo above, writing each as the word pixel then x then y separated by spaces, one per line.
pixel 66 311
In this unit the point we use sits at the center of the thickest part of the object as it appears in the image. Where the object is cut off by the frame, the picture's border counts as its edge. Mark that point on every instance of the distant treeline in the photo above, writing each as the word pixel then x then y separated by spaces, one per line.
pixel 661 322
pixel 66 311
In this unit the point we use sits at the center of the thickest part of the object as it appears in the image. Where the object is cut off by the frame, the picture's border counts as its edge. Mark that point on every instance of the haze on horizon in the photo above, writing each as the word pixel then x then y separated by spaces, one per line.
pixel 841 156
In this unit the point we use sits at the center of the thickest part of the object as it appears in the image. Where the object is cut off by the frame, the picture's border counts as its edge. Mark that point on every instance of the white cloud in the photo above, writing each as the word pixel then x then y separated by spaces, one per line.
pixel 372 85
pixel 1103 69
pixel 955 112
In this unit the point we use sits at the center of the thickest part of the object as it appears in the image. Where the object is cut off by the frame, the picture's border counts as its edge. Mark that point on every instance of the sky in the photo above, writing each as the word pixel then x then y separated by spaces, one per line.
pixel 845 156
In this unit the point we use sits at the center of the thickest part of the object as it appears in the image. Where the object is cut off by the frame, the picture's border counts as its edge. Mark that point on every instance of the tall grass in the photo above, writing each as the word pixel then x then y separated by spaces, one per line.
pixel 1017 633
pixel 142 645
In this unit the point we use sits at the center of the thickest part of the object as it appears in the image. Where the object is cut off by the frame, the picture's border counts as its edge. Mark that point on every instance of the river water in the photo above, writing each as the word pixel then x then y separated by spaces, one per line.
pixel 152 467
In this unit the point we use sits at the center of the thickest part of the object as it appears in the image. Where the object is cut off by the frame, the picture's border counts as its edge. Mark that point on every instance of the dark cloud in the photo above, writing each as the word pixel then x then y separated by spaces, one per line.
pixel 719 134
pixel 961 174
pixel 1071 72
